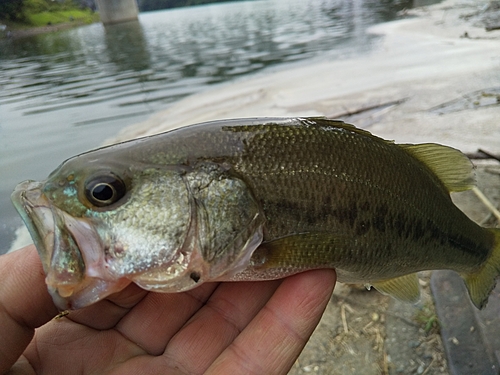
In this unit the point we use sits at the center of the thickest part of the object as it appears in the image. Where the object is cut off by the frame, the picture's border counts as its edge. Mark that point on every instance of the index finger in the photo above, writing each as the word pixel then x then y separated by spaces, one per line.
pixel 274 339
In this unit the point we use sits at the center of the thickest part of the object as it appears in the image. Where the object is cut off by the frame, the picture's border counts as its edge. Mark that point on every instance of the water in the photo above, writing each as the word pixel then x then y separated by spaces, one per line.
pixel 64 93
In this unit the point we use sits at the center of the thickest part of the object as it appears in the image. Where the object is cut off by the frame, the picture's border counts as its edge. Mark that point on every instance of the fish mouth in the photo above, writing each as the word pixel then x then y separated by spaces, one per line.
pixel 70 249
pixel 36 213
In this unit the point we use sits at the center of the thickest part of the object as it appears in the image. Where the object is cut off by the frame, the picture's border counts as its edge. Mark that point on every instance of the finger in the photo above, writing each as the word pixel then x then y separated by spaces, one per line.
pixel 274 339
pixel 25 303
pixel 64 347
pixel 157 318
pixel 107 313
pixel 214 327
pixel 84 334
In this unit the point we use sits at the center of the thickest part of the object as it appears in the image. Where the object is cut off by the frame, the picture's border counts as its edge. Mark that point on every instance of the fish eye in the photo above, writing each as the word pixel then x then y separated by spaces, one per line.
pixel 102 191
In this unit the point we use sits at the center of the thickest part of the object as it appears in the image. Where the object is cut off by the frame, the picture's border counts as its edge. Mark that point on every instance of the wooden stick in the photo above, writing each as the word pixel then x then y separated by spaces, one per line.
pixel 489 154
pixel 486 202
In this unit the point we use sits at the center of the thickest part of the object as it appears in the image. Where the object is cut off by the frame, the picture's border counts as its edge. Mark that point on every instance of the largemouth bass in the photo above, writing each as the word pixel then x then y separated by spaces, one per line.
pixel 255 199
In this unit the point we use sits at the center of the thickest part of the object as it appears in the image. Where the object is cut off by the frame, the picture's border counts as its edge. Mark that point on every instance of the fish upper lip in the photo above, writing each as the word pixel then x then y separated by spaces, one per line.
pixel 36 212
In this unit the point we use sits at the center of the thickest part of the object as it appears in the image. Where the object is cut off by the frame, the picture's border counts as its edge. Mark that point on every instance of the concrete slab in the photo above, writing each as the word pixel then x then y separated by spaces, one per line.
pixel 468 351
pixel 420 63
pixel 471 337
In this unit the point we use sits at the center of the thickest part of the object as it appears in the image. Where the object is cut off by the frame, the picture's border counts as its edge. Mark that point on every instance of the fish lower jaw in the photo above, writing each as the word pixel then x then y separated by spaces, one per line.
pixel 90 291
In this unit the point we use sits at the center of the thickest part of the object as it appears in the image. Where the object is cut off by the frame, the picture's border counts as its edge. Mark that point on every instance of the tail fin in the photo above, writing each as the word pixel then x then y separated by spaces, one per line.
pixel 481 283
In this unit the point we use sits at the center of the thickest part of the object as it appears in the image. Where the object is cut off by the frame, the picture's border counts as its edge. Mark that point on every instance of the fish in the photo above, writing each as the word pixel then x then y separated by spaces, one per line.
pixel 256 199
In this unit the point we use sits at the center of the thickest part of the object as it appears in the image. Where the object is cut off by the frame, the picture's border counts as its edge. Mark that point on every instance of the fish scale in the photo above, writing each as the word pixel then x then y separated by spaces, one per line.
pixel 336 190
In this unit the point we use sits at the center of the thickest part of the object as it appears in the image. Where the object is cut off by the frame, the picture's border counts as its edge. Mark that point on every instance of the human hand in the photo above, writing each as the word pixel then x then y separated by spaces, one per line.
pixel 217 328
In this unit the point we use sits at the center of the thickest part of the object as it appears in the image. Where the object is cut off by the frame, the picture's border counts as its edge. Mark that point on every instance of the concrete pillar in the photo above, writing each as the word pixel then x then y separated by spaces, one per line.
pixel 115 11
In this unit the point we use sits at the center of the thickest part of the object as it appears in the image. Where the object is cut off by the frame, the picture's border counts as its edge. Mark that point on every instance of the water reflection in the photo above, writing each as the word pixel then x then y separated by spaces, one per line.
pixel 126 46
pixel 38 45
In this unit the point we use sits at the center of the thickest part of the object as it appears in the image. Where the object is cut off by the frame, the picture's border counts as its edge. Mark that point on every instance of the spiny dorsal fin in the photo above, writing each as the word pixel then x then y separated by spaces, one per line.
pixel 404 288
pixel 339 124
pixel 451 166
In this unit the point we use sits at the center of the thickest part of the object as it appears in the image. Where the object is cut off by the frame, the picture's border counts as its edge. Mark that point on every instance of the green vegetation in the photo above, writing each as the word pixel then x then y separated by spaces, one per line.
pixel 55 17
pixel 428 319
pixel 11 10
pixel 34 13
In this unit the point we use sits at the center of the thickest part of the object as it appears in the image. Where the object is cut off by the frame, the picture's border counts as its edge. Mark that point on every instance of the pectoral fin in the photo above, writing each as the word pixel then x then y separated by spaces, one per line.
pixel 306 251
pixel 289 255
pixel 404 288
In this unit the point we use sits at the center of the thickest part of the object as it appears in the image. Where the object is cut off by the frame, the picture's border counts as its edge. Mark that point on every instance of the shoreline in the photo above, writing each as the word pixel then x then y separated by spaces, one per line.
pixel 438 57
pixel 31 31
pixel 13 30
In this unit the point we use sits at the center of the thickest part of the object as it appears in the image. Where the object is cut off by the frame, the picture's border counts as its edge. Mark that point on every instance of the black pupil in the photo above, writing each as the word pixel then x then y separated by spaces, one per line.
pixel 103 192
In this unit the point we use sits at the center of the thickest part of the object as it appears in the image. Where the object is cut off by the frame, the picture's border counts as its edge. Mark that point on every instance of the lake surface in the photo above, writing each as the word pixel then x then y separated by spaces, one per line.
pixel 64 93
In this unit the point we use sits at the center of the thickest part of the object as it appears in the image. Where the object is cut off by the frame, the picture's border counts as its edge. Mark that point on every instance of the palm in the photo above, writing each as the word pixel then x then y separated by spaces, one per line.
pixel 252 327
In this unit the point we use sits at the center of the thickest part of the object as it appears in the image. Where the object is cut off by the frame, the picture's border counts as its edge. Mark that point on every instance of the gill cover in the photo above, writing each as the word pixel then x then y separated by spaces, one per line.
pixel 226 228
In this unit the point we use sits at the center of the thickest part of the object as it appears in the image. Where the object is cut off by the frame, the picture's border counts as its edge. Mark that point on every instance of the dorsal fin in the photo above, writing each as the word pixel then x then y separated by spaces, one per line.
pixel 339 124
pixel 450 165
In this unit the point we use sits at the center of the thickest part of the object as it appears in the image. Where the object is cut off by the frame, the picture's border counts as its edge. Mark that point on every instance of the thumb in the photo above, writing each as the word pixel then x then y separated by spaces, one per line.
pixel 25 303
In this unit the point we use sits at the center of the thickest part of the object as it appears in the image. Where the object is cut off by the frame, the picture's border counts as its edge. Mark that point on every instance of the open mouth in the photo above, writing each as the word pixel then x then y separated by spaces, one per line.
pixel 70 250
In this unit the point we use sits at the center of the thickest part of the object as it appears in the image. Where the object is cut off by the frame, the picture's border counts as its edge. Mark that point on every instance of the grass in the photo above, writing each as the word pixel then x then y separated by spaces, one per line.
pixel 428 320
pixel 62 16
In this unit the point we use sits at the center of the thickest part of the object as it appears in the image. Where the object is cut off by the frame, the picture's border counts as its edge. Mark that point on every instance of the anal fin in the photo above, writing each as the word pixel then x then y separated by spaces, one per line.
pixel 404 288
